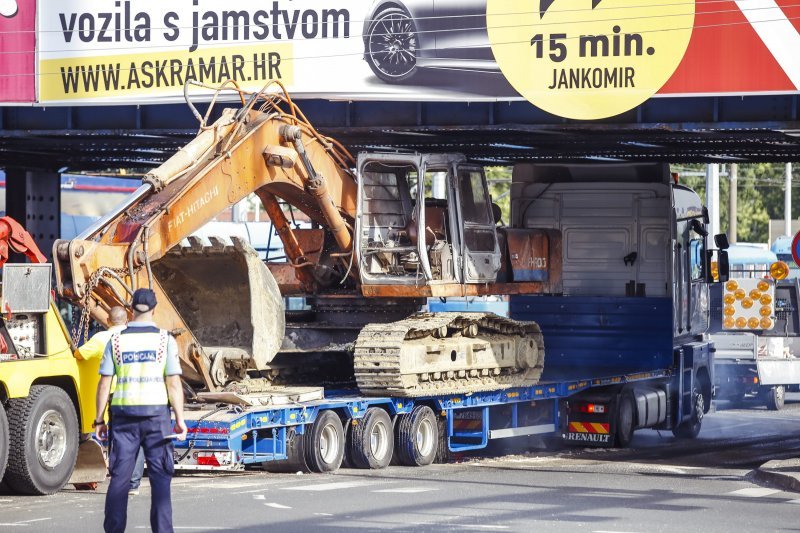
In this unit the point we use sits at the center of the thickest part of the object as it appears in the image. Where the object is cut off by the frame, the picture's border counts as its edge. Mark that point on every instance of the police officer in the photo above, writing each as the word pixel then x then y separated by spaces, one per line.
pixel 144 359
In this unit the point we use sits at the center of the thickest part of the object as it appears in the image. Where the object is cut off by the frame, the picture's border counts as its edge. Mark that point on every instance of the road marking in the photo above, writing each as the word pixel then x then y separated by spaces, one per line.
pixel 194 528
pixel 259 497
pixel 335 486
pixel 608 531
pixel 228 485
pixel 33 520
pixel 754 492
pixel 474 526
pixel 251 491
pixel 323 514
pixel 407 490
pixel 6 501
pixel 277 506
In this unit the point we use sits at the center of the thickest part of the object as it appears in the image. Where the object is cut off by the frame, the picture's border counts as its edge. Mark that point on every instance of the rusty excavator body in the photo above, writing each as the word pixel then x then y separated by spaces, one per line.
pixel 388 230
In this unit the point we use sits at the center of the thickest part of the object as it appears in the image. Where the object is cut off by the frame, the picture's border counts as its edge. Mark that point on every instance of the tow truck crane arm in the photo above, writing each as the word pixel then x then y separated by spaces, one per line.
pixel 14 238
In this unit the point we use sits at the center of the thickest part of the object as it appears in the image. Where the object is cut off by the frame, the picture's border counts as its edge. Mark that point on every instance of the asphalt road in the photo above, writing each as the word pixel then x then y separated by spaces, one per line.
pixel 659 484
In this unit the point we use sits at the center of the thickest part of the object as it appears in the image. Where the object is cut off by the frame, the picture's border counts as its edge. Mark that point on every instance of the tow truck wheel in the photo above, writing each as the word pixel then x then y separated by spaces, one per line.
pixel 691 428
pixel 372 441
pixel 324 443
pixel 3 441
pixel 625 423
pixel 417 437
pixel 775 398
pixel 43 431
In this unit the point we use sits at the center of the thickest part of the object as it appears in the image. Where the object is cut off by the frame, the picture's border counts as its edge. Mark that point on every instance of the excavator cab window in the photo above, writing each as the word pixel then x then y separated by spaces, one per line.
pixel 478 232
pixel 388 236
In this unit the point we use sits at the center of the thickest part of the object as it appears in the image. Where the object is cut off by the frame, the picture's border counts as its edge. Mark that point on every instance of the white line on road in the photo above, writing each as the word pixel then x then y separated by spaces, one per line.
pixel 195 528
pixel 793 501
pixel 407 490
pixel 323 514
pixel 33 520
pixel 334 486
pixel 259 497
pixel 476 526
pixel 251 491
pixel 607 531
pixel 754 492
pixel 277 506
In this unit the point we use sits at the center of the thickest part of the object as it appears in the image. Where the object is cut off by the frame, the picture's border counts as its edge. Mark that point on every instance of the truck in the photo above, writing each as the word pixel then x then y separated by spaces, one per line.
pixel 606 266
pixel 46 394
pixel 758 362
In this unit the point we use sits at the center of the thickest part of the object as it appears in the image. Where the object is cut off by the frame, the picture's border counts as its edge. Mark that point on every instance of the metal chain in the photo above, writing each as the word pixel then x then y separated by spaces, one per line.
pixel 80 331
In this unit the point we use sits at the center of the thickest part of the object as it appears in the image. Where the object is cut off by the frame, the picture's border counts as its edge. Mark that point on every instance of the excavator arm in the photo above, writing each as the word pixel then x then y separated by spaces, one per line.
pixel 270 150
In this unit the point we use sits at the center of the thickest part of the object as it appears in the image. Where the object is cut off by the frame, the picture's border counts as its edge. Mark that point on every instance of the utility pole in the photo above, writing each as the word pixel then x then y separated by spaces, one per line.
pixel 712 196
pixel 787 201
pixel 732 208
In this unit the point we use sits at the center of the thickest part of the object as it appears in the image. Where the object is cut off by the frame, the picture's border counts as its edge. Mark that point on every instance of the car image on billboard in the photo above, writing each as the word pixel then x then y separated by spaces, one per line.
pixel 402 37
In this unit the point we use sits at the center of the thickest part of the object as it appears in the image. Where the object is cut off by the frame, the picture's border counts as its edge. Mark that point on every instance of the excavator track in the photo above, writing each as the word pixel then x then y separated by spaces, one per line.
pixel 447 353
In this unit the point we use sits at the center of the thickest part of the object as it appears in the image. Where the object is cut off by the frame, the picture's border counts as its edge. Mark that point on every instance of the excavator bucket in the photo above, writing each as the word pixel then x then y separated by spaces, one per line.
pixel 90 467
pixel 228 298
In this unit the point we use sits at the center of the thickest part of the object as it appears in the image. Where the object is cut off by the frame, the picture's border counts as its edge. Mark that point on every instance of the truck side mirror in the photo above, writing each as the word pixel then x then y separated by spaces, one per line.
pixel 721 240
pixel 723 265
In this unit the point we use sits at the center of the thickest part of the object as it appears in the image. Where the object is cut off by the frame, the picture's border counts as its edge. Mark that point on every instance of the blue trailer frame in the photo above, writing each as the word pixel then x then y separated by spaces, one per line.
pixel 254 435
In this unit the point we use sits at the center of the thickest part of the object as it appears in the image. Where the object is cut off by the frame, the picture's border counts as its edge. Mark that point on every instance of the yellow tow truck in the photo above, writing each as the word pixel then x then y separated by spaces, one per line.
pixel 47 395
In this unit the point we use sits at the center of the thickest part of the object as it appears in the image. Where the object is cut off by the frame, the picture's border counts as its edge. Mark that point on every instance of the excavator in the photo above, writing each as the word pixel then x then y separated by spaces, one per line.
pixel 388 230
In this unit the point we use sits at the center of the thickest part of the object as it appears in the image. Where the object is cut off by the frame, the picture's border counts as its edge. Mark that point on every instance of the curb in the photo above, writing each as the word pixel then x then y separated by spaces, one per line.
pixel 778 474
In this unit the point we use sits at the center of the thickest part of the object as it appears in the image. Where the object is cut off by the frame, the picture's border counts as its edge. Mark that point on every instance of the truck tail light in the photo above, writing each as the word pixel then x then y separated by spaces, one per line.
pixel 591 408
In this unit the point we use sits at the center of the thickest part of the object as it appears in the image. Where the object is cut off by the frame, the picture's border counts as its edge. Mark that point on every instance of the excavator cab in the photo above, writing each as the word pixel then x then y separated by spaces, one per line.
pixel 424 220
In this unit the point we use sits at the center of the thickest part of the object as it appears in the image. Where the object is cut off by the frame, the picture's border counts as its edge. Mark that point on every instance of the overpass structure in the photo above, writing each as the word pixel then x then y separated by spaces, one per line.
pixel 97 85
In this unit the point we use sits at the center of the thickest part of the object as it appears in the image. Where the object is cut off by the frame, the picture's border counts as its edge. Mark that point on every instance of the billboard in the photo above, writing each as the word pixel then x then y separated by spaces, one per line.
pixel 17 51
pixel 582 59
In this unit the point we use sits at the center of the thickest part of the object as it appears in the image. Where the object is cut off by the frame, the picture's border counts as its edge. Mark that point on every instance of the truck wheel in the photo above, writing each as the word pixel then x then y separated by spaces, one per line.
pixel 775 398
pixel 625 423
pixel 3 441
pixel 690 429
pixel 43 431
pixel 372 440
pixel 417 437
pixel 324 443
pixel 295 456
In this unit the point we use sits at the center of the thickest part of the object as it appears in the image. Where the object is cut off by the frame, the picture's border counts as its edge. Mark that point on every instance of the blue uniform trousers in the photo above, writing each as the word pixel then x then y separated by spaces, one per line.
pixel 128 433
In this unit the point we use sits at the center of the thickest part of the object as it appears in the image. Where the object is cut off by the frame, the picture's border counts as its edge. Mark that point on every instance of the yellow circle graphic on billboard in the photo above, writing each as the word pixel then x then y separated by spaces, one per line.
pixel 588 59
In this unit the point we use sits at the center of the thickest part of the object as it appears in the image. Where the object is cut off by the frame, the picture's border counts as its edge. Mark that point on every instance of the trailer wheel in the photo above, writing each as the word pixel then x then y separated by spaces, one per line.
pixel 690 429
pixel 3 441
pixel 43 431
pixel 417 437
pixel 372 441
pixel 625 423
pixel 443 453
pixel 775 398
pixel 295 456
pixel 324 443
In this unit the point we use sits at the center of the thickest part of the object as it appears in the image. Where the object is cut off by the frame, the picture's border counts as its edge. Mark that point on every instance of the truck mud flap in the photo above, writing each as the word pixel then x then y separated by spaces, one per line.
pixel 588 434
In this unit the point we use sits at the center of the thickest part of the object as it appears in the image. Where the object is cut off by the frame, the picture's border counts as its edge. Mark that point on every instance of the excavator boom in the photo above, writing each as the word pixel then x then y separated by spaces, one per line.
pixel 219 301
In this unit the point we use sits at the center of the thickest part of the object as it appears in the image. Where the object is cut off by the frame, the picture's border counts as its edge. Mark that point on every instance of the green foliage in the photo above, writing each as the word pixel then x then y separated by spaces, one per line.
pixel 759 198
pixel 499 179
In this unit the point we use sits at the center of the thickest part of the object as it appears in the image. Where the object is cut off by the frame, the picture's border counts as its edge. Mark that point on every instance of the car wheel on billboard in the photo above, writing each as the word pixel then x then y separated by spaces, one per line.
pixel 391 45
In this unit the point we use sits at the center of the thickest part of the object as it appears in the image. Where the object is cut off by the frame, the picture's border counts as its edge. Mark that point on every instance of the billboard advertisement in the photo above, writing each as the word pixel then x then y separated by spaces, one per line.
pixel 17 51
pixel 581 59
